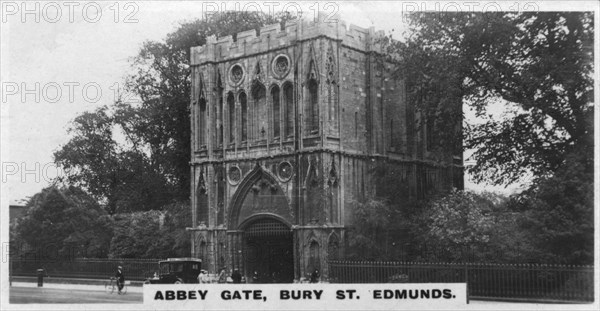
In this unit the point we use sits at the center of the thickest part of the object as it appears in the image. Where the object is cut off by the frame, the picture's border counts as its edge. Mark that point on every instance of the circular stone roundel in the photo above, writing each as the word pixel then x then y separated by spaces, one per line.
pixel 236 74
pixel 281 66
pixel 285 171
pixel 234 175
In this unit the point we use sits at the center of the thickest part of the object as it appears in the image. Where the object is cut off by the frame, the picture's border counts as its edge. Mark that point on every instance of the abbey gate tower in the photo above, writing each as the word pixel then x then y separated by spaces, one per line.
pixel 289 128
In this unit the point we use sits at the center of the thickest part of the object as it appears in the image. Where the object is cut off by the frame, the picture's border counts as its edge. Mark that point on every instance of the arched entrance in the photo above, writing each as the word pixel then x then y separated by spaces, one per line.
pixel 268 251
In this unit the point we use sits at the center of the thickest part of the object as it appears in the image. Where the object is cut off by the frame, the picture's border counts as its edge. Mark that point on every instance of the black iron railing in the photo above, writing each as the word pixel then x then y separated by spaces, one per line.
pixel 511 281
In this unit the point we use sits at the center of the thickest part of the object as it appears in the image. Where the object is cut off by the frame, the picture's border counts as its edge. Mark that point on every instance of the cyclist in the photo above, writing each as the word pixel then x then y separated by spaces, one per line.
pixel 120 278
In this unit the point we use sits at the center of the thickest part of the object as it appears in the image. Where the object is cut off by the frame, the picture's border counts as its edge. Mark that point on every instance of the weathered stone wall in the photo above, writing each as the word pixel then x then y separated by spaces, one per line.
pixel 308 178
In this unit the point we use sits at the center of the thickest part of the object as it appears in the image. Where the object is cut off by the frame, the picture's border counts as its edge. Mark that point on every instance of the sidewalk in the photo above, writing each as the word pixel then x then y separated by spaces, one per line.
pixel 505 305
pixel 98 285
pixel 473 304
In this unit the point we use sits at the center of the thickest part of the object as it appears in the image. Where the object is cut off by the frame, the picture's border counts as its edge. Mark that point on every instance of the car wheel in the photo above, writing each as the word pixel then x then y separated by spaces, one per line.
pixel 178 282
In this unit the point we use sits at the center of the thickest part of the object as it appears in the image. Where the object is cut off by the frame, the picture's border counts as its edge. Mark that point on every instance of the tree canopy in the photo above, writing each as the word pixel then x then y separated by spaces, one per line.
pixel 369 237
pixel 558 215
pixel 66 223
pixel 152 234
pixel 538 64
pixel 134 156
pixel 121 178
pixel 63 223
pixel 538 68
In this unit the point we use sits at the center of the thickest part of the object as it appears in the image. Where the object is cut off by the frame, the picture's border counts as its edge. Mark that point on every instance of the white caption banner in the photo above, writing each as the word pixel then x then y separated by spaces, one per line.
pixel 306 296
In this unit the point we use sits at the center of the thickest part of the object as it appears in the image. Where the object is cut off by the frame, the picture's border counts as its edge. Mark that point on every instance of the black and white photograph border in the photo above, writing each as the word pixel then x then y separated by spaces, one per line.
pixel 299 144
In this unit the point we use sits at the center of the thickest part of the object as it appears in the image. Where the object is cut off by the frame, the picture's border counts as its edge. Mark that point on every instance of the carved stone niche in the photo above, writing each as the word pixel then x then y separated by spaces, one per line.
pixel 264 184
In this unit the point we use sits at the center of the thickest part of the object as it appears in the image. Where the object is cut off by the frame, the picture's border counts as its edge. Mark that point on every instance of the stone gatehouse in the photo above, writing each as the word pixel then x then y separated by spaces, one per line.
pixel 288 126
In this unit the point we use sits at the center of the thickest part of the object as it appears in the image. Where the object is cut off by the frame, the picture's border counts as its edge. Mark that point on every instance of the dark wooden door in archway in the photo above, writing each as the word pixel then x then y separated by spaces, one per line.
pixel 268 251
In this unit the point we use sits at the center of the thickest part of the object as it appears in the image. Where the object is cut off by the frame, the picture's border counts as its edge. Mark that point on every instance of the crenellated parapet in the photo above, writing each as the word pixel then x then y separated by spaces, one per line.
pixel 290 127
pixel 273 36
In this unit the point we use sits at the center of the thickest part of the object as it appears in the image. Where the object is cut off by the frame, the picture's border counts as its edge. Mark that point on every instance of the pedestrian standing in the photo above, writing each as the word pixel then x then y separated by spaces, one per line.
pixel 314 277
pixel 236 276
pixel 222 276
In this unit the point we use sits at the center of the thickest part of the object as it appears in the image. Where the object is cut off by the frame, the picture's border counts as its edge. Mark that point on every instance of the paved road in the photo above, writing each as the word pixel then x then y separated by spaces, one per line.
pixel 53 295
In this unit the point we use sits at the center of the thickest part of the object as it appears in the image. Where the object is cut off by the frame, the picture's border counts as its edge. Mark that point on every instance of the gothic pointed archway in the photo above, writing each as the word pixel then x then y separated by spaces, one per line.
pixel 268 250
pixel 259 193
pixel 261 221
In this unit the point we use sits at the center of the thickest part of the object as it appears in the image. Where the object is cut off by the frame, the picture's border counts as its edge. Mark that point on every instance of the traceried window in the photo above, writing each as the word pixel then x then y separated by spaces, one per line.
pixel 314 261
pixel 331 85
pixel 333 248
pixel 312 113
pixel 332 100
pixel 231 119
pixel 220 118
pixel 288 120
pixel 260 112
pixel 276 111
pixel 202 123
pixel 244 116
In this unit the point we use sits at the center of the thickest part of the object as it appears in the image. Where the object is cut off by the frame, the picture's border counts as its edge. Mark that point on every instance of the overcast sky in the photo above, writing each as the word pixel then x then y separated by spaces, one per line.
pixel 82 51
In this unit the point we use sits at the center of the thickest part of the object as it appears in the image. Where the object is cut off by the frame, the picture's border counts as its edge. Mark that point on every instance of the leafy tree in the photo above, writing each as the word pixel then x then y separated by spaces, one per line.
pixel 538 66
pixel 551 223
pixel 65 223
pixel 460 220
pixel 557 214
pixel 175 240
pixel 464 226
pixel 123 179
pixel 379 230
pixel 135 234
pixel 149 166
pixel 161 78
pixel 539 63
pixel 152 234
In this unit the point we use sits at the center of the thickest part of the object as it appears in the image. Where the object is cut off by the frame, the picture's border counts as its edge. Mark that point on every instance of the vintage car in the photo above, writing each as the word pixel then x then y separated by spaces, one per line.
pixel 177 271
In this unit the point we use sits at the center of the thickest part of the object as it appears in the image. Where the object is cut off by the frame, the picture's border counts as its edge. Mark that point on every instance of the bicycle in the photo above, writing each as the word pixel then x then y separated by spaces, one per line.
pixel 111 286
